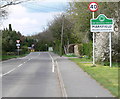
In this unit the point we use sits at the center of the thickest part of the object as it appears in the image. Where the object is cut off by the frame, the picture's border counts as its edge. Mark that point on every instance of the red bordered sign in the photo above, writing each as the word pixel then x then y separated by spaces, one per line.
pixel 18 41
pixel 93 6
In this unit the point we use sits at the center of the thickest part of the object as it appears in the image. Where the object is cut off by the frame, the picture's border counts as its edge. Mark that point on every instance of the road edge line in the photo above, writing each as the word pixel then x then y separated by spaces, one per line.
pixel 53 63
pixel 64 93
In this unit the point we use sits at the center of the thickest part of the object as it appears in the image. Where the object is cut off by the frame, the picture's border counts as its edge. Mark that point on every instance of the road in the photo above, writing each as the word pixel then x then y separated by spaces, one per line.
pixel 44 74
pixel 31 76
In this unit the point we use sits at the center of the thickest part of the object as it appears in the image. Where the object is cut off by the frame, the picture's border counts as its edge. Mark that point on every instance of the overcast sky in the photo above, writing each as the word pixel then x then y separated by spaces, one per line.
pixel 32 17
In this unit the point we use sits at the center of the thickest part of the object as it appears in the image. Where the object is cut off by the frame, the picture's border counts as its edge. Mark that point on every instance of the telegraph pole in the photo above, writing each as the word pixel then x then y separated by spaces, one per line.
pixel 62 35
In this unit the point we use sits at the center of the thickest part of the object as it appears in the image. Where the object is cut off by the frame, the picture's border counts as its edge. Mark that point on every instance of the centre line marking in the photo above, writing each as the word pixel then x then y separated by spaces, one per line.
pixel 14 68
pixel 9 72
pixel 20 65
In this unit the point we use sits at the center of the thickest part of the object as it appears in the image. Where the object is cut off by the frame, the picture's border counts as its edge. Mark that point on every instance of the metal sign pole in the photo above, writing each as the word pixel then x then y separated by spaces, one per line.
pixel 18 50
pixel 93 42
pixel 110 49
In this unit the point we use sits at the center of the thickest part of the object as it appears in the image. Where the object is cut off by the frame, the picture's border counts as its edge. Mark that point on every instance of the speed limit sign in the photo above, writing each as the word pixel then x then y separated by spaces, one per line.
pixel 93 6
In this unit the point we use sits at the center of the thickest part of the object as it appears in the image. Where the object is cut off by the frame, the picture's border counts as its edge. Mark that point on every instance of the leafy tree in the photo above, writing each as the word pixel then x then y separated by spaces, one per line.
pixel 80 15
pixel 56 29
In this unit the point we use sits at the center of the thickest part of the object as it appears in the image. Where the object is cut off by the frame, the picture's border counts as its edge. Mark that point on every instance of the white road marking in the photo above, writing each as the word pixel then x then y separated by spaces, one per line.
pixel 14 68
pixel 9 72
pixel 53 63
pixel 0 75
pixel 20 65
pixel 64 93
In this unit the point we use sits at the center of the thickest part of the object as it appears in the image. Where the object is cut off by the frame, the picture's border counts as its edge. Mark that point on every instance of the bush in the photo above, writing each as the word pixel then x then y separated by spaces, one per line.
pixel 24 50
pixel 85 49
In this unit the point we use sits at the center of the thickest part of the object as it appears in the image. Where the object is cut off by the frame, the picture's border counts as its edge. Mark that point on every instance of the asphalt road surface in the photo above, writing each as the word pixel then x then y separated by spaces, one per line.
pixel 44 74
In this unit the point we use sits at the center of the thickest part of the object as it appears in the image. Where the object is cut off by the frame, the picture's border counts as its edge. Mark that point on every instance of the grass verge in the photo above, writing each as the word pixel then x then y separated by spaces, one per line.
pixel 70 55
pixel 106 76
pixel 6 57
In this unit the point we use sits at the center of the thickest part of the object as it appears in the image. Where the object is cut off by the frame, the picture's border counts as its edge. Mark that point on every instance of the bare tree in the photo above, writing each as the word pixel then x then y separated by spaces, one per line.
pixel 5 3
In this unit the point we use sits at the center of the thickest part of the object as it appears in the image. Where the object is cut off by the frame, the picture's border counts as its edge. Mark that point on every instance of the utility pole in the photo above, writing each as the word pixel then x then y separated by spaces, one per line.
pixel 62 35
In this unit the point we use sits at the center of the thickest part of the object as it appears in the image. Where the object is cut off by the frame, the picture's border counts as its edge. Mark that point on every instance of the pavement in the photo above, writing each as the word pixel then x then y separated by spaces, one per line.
pixel 44 74
pixel 78 83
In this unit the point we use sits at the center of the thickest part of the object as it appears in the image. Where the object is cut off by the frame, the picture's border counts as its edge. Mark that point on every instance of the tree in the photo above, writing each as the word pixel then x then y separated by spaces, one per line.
pixel 9 38
pixel 55 27
pixel 81 16
pixel 6 3
pixel 10 27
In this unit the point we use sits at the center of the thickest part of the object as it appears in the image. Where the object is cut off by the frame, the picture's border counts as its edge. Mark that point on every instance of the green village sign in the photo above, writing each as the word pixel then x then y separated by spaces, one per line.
pixel 102 24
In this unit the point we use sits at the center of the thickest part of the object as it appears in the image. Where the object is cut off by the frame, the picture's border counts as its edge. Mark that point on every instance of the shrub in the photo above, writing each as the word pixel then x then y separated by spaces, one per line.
pixel 85 49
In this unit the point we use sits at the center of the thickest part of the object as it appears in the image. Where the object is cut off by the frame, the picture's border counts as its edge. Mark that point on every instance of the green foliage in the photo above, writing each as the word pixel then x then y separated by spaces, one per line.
pixel 24 50
pixel 87 49
pixel 80 48
pixel 42 46
pixel 9 40
pixel 70 55
pixel 114 64
pixel 81 16
pixel 57 46
pixel 6 57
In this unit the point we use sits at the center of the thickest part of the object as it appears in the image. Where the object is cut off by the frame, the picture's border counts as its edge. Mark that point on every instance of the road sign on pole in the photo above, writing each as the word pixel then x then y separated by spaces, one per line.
pixel 18 45
pixel 93 6
pixel 110 49
pixel 18 41
pixel 102 24
pixel 93 42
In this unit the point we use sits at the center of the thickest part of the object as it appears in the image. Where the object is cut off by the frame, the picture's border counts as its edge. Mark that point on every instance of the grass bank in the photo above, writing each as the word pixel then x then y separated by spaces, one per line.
pixel 106 76
pixel 6 57
pixel 70 55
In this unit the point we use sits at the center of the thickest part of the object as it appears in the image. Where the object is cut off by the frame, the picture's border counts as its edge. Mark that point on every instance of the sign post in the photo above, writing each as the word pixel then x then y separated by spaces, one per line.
pixel 18 46
pixel 103 24
pixel 110 49
pixel 93 42
pixel 93 7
